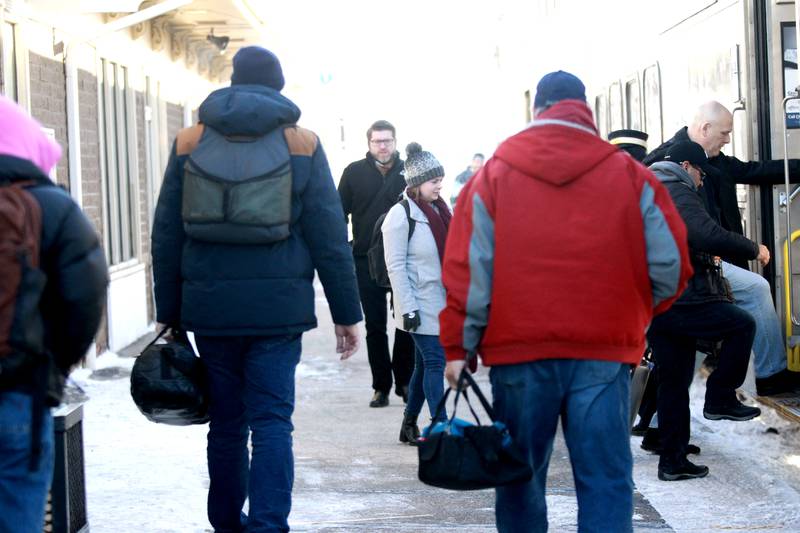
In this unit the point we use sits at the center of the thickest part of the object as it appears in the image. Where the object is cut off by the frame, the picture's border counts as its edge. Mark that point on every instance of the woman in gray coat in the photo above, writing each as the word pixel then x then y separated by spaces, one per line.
pixel 414 234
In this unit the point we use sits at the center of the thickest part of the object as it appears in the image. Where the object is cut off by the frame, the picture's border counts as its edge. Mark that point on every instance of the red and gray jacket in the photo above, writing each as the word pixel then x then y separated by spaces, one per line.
pixel 562 247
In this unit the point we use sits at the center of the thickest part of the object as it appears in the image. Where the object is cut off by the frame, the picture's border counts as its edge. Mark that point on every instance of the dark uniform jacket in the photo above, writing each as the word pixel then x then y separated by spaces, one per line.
pixel 720 186
pixel 367 194
pixel 221 289
pixel 706 238
pixel 77 276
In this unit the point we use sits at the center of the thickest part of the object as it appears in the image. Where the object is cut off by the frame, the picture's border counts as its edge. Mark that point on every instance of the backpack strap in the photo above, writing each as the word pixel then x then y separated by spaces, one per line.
pixel 411 222
pixel 188 139
pixel 300 140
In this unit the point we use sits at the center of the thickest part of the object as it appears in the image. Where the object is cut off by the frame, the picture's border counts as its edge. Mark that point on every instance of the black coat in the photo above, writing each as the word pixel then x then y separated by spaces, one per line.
pixel 706 237
pixel 367 194
pixel 75 265
pixel 220 289
pixel 720 186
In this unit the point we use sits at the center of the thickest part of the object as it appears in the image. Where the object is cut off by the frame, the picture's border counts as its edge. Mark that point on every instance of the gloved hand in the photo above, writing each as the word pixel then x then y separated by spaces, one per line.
pixel 411 321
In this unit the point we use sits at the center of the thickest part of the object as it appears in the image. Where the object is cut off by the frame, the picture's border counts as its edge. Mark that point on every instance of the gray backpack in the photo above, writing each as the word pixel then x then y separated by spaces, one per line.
pixel 237 189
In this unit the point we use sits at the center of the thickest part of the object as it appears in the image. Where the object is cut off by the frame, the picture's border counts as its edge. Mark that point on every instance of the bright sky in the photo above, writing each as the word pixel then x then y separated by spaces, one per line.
pixel 449 74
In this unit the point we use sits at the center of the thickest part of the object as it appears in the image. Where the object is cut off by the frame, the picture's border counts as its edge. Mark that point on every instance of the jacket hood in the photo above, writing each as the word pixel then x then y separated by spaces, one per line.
pixel 670 172
pixel 22 137
pixel 560 145
pixel 247 110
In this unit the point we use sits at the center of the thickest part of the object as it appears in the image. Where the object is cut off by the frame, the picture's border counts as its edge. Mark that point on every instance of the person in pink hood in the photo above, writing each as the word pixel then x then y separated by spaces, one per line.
pixel 561 251
pixel 52 289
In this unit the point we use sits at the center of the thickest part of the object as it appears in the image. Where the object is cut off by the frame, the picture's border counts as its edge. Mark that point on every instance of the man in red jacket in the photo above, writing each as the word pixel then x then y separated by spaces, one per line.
pixel 562 250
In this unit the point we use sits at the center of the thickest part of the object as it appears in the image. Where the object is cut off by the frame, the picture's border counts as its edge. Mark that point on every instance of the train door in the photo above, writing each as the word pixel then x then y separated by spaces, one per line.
pixel 776 24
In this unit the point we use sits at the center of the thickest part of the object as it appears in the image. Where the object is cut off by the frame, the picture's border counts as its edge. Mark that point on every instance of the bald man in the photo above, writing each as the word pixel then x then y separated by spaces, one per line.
pixel 711 128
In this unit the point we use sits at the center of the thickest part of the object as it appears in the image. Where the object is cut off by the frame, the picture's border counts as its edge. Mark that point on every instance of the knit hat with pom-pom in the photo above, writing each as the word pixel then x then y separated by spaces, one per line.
pixel 421 166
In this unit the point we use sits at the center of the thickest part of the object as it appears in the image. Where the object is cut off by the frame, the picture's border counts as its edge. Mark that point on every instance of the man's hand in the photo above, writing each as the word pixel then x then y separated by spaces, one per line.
pixel 173 334
pixel 411 321
pixel 346 340
pixel 763 255
pixel 452 370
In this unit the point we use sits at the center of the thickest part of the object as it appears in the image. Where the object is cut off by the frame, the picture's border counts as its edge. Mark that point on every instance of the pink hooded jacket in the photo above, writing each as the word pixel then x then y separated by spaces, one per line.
pixel 21 136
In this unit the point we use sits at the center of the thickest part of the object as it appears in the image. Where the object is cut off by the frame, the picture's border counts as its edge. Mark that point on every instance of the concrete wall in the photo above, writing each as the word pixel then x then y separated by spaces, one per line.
pixel 144 201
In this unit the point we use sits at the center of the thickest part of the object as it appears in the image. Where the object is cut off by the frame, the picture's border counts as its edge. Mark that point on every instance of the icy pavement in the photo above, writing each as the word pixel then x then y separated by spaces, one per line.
pixel 353 476
pixel 754 478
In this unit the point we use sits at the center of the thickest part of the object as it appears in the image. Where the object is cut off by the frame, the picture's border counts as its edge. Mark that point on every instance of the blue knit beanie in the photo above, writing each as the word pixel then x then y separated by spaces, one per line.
pixel 558 86
pixel 254 65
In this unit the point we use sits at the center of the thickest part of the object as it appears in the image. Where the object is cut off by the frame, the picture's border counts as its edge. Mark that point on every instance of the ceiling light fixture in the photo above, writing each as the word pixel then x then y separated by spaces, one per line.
pixel 221 42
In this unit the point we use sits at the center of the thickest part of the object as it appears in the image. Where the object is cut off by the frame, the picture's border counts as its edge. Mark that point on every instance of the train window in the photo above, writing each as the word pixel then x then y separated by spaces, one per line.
pixel 600 115
pixel 633 111
pixel 120 204
pixel 652 105
pixel 8 70
pixel 615 106
pixel 790 77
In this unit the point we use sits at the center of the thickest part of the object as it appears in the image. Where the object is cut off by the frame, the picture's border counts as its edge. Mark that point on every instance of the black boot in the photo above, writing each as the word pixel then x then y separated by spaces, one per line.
pixel 409 432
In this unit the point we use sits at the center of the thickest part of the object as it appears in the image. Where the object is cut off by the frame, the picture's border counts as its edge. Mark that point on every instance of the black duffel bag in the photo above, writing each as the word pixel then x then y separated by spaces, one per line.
pixel 459 455
pixel 168 382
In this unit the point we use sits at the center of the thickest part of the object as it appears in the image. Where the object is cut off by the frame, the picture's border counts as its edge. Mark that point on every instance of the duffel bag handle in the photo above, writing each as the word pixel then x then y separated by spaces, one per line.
pixel 465 379
pixel 160 334
pixel 180 336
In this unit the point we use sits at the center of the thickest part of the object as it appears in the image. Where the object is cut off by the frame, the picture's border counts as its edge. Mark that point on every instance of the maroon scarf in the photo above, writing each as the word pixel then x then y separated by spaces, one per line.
pixel 438 221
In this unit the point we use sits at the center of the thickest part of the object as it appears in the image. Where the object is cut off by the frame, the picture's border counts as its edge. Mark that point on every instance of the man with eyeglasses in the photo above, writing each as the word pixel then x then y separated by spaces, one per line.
pixel 369 188
pixel 705 310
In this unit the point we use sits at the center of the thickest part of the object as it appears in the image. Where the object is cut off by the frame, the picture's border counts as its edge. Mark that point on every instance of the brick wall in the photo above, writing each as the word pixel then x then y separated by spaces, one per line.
pixel 174 120
pixel 144 201
pixel 91 174
pixel 49 104
pixel 2 81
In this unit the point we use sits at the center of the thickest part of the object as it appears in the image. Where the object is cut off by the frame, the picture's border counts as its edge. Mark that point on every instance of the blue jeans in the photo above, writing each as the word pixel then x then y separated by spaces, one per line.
pixel 427 380
pixel 251 389
pixel 753 294
pixel 592 399
pixel 23 493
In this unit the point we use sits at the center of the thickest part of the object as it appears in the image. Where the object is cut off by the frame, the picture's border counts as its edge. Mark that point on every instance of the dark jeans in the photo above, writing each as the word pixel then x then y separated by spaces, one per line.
pixel 251 389
pixel 673 336
pixel 427 381
pixel 373 301
pixel 592 399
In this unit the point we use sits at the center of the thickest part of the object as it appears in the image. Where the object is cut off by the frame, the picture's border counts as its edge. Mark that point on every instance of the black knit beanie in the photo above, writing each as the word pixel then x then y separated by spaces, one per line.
pixel 254 65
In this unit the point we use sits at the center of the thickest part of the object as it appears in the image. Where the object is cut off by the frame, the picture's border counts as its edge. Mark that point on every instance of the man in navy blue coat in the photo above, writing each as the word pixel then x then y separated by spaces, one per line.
pixel 247 212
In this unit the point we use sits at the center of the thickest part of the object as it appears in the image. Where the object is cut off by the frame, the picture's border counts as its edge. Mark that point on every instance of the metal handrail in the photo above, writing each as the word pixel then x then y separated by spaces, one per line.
pixel 792 358
pixel 739 106
pixel 789 275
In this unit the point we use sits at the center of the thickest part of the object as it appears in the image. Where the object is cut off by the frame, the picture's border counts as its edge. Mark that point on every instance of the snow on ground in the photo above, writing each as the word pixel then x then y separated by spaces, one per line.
pixel 754 484
pixel 754 478
pixel 119 475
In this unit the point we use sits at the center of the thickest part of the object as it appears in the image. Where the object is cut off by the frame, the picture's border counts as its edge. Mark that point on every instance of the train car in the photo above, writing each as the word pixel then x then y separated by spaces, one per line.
pixel 742 53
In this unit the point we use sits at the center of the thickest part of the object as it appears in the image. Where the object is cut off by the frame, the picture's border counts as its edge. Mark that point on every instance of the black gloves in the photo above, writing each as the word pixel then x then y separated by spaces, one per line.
pixel 411 321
